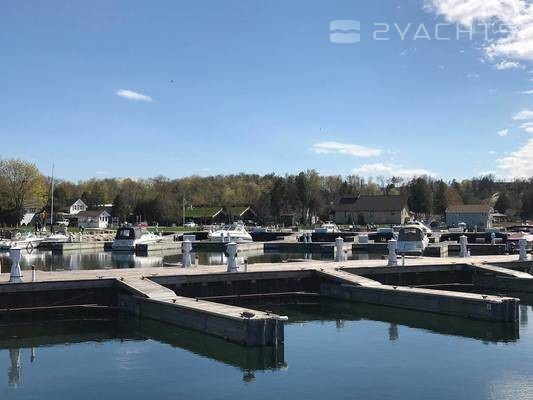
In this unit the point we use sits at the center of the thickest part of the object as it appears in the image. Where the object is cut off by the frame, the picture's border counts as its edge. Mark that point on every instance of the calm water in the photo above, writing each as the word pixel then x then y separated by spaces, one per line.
pixel 46 261
pixel 332 350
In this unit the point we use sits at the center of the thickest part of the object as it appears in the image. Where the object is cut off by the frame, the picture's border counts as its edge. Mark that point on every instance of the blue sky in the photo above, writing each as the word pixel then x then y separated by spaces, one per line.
pixel 136 89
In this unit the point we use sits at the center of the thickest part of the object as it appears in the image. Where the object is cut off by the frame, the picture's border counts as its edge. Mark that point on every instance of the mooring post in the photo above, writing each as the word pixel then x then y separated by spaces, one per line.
pixel 339 244
pixel 463 250
pixel 231 249
pixel 16 273
pixel 403 260
pixel 33 273
pixel 309 237
pixel 392 260
pixel 522 255
pixel 186 247
pixel 246 265
pixel 492 238
pixel 304 237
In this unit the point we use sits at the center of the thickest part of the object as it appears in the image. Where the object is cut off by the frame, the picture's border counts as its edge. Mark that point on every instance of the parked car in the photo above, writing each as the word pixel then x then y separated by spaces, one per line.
pixel 190 224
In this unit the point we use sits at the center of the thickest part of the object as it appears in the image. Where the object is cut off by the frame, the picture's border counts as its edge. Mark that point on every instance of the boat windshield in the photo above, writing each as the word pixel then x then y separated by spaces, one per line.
pixel 410 235
pixel 125 234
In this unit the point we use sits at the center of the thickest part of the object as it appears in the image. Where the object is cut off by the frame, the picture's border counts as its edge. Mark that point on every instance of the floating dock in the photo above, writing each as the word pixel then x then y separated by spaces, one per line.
pixel 179 296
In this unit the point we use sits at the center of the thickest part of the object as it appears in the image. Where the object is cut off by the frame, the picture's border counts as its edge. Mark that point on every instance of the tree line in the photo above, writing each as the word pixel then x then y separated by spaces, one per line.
pixel 305 194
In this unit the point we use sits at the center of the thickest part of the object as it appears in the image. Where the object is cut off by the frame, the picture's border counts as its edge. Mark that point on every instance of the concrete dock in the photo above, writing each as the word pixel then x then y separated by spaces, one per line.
pixel 172 295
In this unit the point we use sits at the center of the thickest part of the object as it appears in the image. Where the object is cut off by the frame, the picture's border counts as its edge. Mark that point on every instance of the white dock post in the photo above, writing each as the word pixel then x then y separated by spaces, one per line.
pixel 186 247
pixel 339 244
pixel 522 256
pixel 463 251
pixel 16 273
pixel 231 249
pixel 246 265
pixel 304 236
pixel 392 260
pixel 492 238
pixel 309 237
pixel 33 273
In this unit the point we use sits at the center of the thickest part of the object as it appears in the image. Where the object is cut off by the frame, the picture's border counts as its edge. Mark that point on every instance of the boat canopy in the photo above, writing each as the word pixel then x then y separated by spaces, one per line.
pixel 128 233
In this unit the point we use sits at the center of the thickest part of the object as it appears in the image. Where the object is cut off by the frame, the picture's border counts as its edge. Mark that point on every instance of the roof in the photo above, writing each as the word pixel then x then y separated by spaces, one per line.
pixel 91 213
pixel 238 211
pixel 372 203
pixel 202 212
pixel 73 200
pixel 469 208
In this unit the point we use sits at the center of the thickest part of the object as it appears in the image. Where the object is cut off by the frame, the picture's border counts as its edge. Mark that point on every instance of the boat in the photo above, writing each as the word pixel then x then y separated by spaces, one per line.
pixel 56 238
pixel 23 240
pixel 235 232
pixel 513 241
pixel 327 227
pixel 427 230
pixel 412 239
pixel 128 237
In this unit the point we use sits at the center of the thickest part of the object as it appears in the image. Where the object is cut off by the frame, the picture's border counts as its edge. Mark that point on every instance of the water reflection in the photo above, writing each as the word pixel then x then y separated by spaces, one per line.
pixel 343 311
pixel 82 260
pixel 18 337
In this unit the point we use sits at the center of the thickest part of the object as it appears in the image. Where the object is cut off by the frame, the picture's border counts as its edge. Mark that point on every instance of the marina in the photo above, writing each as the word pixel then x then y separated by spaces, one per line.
pixel 172 294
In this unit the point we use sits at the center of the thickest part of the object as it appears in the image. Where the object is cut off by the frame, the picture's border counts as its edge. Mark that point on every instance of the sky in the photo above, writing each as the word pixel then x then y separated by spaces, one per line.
pixel 131 88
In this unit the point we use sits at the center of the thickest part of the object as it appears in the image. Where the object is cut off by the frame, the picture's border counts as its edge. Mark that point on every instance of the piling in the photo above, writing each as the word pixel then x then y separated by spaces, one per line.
pixel 231 249
pixel 16 273
pixel 522 256
pixel 186 248
pixel 392 260
pixel 339 244
pixel 463 251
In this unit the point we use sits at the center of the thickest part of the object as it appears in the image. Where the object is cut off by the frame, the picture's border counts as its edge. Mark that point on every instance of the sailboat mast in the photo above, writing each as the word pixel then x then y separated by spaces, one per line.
pixel 52 200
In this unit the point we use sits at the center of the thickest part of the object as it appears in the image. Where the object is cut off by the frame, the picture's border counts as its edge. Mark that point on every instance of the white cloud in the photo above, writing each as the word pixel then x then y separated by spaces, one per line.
pixel 492 152
pixel 353 150
pixel 131 95
pixel 378 169
pixel 507 65
pixel 528 91
pixel 518 164
pixel 528 127
pixel 514 18
pixel 523 115
pixel 503 132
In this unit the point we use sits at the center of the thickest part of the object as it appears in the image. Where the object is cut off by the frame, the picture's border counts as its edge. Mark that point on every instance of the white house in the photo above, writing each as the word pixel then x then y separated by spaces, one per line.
pixel 93 219
pixel 75 207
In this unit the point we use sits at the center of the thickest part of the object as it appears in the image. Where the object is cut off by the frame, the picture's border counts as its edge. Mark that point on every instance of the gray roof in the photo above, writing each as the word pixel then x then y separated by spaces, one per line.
pixel 371 203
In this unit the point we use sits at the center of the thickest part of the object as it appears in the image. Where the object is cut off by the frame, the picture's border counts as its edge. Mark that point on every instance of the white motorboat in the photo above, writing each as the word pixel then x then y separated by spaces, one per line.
pixel 327 227
pixel 412 240
pixel 57 238
pixel 235 232
pixel 21 240
pixel 128 237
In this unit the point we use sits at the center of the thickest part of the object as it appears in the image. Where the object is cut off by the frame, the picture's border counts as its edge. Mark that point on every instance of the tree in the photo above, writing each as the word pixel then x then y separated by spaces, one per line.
pixel 440 200
pixel 526 211
pixel 21 181
pixel 503 203
pixel 120 208
pixel 420 199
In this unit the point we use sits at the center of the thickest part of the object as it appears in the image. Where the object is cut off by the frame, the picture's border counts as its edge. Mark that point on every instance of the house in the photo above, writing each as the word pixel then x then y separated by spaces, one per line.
pixel 93 219
pixel 381 209
pixel 74 206
pixel 473 215
pixel 242 213
pixel 205 215
pixel 31 209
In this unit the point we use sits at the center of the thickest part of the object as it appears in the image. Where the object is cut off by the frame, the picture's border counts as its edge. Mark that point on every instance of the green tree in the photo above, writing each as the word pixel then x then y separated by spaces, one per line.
pixel 420 200
pixel 440 199
pixel 21 181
